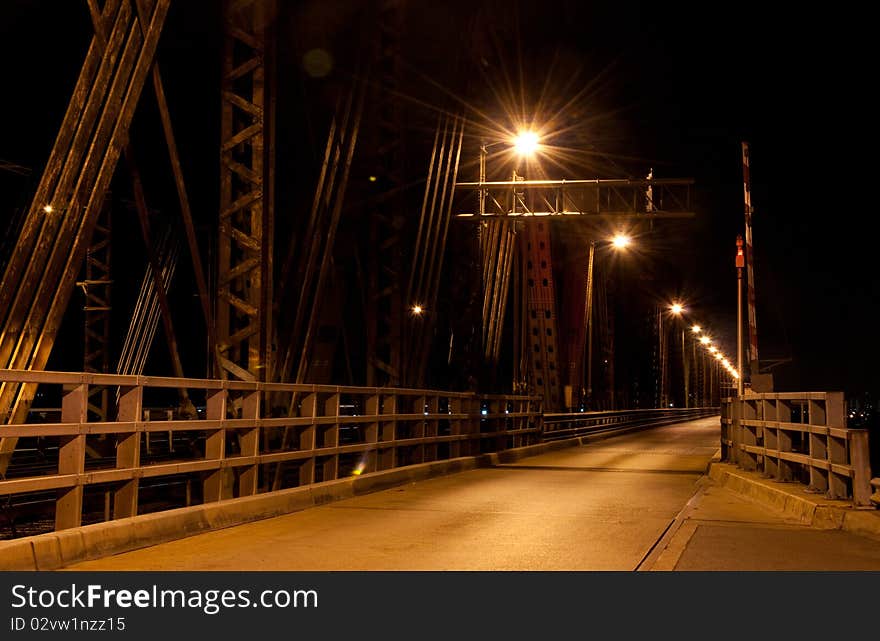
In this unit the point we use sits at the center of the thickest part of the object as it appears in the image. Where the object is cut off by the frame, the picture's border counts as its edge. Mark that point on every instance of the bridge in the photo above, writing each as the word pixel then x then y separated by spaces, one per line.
pixel 392 369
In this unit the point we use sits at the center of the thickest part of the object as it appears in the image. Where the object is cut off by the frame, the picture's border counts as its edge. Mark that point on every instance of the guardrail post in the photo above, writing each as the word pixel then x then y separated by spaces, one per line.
pixel 736 429
pixel 785 469
pixel 249 444
pixel 308 439
pixel 431 426
pixel 418 427
pixel 373 407
pixel 536 406
pixel 861 465
pixel 749 433
pixel 71 457
pixel 128 452
pixel 215 447
pixel 387 453
pixel 771 435
pixel 330 438
pixel 822 480
pixel 833 415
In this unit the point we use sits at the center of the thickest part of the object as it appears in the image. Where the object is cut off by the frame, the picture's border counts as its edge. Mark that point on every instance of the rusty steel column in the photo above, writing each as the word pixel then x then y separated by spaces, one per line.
pixel 385 262
pixel 244 281
pixel 96 289
pixel 541 302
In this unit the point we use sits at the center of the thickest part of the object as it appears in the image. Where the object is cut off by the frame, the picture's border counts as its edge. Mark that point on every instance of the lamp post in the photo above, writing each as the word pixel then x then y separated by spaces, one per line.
pixel 497 250
pixel 740 263
pixel 620 241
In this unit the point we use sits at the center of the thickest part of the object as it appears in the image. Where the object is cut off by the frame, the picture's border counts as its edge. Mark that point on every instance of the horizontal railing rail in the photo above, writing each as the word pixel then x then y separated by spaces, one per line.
pixel 573 424
pixel 799 437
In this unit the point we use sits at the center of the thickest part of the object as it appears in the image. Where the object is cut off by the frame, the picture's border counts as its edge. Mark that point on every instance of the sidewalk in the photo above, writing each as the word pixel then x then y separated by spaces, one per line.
pixel 740 521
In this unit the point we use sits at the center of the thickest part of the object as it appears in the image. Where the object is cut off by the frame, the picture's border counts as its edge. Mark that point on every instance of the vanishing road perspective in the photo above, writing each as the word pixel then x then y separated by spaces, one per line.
pixel 389 285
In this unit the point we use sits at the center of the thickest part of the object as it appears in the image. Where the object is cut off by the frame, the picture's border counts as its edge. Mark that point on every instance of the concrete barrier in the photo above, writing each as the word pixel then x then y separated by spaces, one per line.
pixel 794 501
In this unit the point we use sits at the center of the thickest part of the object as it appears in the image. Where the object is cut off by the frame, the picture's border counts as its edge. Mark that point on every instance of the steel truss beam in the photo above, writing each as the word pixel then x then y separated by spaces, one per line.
pixel 42 270
pixel 246 229
pixel 385 261
pixel 96 309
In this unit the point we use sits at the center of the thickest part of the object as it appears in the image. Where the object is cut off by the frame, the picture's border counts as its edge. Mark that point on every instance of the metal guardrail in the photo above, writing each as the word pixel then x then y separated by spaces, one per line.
pixel 798 437
pixel 236 446
pixel 560 426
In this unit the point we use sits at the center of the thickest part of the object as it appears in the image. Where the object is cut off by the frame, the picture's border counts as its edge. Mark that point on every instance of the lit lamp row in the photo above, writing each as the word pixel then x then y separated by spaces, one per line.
pixel 706 341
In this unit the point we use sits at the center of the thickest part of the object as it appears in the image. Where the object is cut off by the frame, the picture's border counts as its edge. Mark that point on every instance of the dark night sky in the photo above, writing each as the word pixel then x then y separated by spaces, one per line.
pixel 684 84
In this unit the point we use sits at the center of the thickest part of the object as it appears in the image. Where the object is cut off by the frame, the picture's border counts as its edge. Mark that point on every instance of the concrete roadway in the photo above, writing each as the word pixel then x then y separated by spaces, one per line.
pixel 638 501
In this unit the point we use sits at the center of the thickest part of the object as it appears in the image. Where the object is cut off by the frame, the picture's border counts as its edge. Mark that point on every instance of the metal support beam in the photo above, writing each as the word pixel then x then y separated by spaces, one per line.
pixel 96 288
pixel 385 261
pixel 244 284
pixel 578 199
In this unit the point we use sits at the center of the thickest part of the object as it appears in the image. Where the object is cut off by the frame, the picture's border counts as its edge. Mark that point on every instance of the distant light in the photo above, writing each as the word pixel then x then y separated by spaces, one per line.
pixel 317 63
pixel 696 329
pixel 676 308
pixel 734 374
pixel 712 349
pixel 48 209
pixel 621 240
pixel 417 309
pixel 705 340
pixel 525 143
pixel 719 356
pixel 372 179
pixel 484 412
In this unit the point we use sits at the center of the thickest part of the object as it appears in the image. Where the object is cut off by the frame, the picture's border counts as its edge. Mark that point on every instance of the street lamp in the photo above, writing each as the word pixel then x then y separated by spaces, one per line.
pixel 526 143
pixel 619 242
pixel 740 263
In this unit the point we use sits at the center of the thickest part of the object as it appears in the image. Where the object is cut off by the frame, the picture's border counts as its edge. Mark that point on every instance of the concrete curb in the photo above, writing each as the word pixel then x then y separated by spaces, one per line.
pixel 56 550
pixel 792 500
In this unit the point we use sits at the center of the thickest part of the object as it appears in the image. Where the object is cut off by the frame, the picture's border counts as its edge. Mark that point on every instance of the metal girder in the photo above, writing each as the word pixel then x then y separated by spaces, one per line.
pixel 41 273
pixel 244 282
pixel 385 261
pixel 577 199
pixel 542 342
pixel 96 288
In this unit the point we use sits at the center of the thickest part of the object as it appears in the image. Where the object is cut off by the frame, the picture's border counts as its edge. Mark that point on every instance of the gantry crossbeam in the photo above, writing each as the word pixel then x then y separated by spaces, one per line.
pixel 576 199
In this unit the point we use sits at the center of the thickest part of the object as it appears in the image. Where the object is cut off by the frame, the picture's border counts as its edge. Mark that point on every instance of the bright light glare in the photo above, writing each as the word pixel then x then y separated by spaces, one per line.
pixel 713 349
pixel 676 308
pixel 621 240
pixel 696 329
pixel 417 309
pixel 48 209
pixel 525 143
pixel 719 356
pixel 705 340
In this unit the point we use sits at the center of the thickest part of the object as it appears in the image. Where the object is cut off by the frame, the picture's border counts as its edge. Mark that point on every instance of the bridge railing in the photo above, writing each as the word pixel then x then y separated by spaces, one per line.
pixel 573 424
pixel 248 438
pixel 799 437
pixel 236 446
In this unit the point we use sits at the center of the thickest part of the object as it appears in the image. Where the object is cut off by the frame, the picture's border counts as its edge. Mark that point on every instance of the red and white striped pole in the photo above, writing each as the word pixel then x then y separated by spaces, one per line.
pixel 750 265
